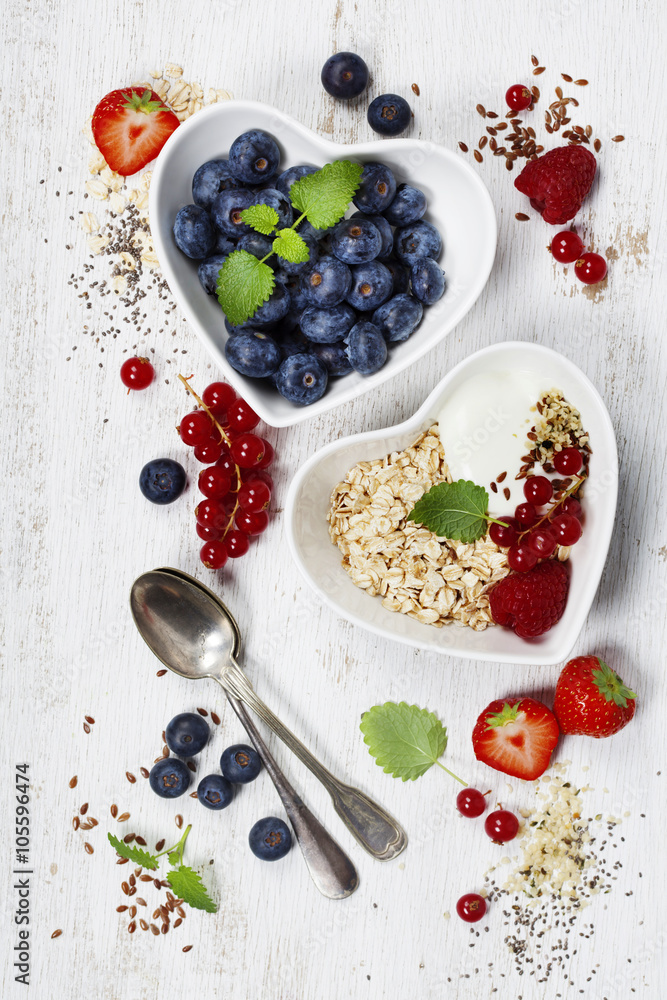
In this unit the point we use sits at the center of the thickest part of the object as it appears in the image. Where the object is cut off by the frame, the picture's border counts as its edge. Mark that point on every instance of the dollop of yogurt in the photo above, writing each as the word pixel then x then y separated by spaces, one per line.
pixel 483 427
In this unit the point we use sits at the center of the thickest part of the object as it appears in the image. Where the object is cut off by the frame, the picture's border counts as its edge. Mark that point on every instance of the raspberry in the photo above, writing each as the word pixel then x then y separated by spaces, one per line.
pixel 558 182
pixel 531 603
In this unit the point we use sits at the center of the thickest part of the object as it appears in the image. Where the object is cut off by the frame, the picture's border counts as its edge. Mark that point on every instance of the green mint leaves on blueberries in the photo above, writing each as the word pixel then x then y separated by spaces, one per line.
pixel 405 740
pixel 454 510
pixel 185 882
pixel 244 282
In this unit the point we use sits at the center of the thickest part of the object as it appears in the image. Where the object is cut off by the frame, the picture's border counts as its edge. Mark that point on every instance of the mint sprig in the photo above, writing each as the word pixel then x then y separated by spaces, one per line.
pixel 244 283
pixel 187 884
pixel 291 246
pixel 262 218
pixel 136 854
pixel 405 740
pixel 454 510
pixel 324 196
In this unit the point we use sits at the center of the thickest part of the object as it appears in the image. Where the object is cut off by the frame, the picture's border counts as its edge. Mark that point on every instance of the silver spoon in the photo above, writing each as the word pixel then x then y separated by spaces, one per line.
pixel 193 633
pixel 330 868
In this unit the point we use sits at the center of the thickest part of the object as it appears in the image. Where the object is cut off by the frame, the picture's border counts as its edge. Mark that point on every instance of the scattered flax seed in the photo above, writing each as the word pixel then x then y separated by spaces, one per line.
pixel 215 719
pixel 191 764
pixel 491 114
pixel 157 883
pixel 535 61
pixel 618 138
pixel 73 782
pixel 76 822
pixel 83 809
pixel 463 147
pixel 180 911
pixel 567 77
pixel 88 848
pixel 494 488
pixel 521 217
pixel 509 165
pixel 538 70
pixel 133 911
pixel 89 719
pixel 536 93
pixel 143 924
pixel 86 727
pixel 122 861
pixel 559 93
pixel 193 795
pixel 581 83
pixel 155 930
pixel 114 810
pixel 59 932
pixel 145 878
pixel 123 818
pixel 121 909
pixel 178 820
pixel 130 777
pixel 144 772
pixel 506 492
pixel 597 145
pixel 141 841
pixel 415 89
pixel 501 478
pixel 202 711
pixel 177 922
pixel 160 673
pixel 140 902
pixel 159 845
pixel 128 838
pixel 188 947
pixel 481 110
pixel 131 927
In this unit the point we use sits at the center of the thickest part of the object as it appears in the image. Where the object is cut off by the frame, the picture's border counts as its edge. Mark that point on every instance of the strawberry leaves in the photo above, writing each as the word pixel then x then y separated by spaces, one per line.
pixel 610 685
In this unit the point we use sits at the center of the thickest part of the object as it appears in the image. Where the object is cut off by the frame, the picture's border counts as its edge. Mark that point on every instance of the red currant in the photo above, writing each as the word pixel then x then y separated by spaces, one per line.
pixel 501 826
pixel 254 495
pixel 247 450
pixel 521 559
pixel 248 475
pixel 566 247
pixel 214 482
pixel 570 505
pixel 269 455
pixel 218 396
pixel 471 907
pixel 241 416
pixel 237 544
pixel 568 461
pixel 137 373
pixel 208 452
pixel 252 522
pixel 470 802
pixel 196 427
pixel 213 554
pixel 504 534
pixel 214 513
pixel 526 515
pixel 538 490
pixel 541 542
pixel 590 268
pixel 227 463
pixel 518 97
pixel 207 534
pixel 567 529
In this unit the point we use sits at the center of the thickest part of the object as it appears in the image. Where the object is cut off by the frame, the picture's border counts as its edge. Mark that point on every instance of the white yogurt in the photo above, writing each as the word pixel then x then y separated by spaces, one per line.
pixel 483 427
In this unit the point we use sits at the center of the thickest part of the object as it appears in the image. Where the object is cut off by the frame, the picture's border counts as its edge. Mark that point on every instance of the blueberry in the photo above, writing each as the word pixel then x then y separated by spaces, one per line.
pixel 306 229
pixel 389 114
pixel 276 306
pixel 258 245
pixel 326 282
pixel 254 157
pixel 345 75
pixel 254 354
pixel 293 285
pixel 299 267
pixel 210 179
pixel 302 378
pixel 215 792
pixel 209 270
pixel 162 480
pixel 270 839
pixel 193 232
pixel 428 281
pixel 366 348
pixel 187 734
pixel 372 284
pixel 334 357
pixel 280 203
pixel 355 241
pixel 224 244
pixel 398 317
pixel 240 764
pixel 291 176
pixel 290 344
pixel 418 240
pixel 326 326
pixel 169 777
pixel 385 231
pixel 399 274
pixel 250 326
pixel 226 211
pixel 408 206
pixel 377 189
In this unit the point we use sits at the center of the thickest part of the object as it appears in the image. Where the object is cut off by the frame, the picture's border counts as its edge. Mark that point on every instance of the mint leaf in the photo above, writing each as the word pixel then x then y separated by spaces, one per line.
pixel 324 196
pixel 136 854
pixel 453 510
pixel 404 739
pixel 187 884
pixel 244 283
pixel 290 246
pixel 174 857
pixel 262 218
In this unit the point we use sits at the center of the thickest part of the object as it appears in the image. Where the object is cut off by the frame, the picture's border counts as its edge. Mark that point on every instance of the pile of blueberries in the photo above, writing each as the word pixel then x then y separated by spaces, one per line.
pixel 186 735
pixel 363 288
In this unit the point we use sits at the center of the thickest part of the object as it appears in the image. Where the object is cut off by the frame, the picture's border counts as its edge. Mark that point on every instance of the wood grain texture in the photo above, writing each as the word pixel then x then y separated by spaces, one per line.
pixel 76 531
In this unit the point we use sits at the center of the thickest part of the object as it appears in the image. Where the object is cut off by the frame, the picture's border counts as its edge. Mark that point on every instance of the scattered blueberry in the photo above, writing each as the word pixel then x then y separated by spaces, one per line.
pixel 302 379
pixel 326 326
pixel 240 764
pixel 398 317
pixel 258 245
pixel 372 284
pixel 215 792
pixel 334 357
pixel 209 270
pixel 408 206
pixel 162 480
pixel 226 211
pixel 326 282
pixel 291 175
pixel 376 190
pixel 193 232
pixel 344 75
pixel 270 839
pixel 254 157
pixel 389 114
pixel 366 348
pixel 385 231
pixel 355 241
pixel 169 777
pixel 253 354
pixel 209 180
pixel 428 281
pixel 186 734
pixel 418 240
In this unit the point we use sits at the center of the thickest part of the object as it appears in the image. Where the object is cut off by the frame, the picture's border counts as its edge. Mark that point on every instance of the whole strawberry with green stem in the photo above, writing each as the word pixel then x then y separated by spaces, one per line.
pixel 591 699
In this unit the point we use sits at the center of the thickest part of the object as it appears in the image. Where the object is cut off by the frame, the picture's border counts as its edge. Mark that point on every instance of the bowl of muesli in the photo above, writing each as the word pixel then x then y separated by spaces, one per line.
pixel 505 415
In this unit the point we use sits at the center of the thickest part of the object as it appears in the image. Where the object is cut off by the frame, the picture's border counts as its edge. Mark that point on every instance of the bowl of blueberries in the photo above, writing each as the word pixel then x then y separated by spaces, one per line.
pixel 379 289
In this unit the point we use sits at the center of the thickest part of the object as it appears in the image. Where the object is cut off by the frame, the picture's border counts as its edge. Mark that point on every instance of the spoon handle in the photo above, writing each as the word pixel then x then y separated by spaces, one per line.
pixel 373 827
pixel 330 868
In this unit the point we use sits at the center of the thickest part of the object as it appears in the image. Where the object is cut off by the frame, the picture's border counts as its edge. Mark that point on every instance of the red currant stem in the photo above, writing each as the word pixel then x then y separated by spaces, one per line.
pixel 203 405
pixel 451 773
pixel 545 517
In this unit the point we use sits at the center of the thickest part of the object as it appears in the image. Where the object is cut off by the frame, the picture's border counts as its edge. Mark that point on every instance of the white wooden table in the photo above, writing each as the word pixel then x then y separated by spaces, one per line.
pixel 76 531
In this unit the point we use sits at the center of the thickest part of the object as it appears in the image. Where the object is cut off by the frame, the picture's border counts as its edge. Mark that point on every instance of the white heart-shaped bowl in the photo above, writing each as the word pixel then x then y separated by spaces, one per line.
pixel 458 205
pixel 320 561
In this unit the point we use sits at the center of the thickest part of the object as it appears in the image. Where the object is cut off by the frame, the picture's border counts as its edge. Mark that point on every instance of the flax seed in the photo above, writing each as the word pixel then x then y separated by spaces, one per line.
pixel 145 878
pixel 202 711
pixel 56 933
pixel 491 114
pixel 128 838
pixel 157 883
pixel 125 888
pixel 83 809
pixel 177 922
pixel 567 77
pixel 491 130
pixel 76 822
pixel 141 841
pixel 521 216
pixel 178 820
pixel 481 110
pixel 114 810
pixel 73 782
pixel 131 927
pixel 140 901
pixel 506 492
pixel 501 478
pixel 154 930
pixel 538 70
pixel 159 845
pixel 160 673
pixel 581 83
pixel 143 924
pixel 494 488
pixel 89 719
pixel 188 947
pixel 121 909
pixel 597 145
pixel 535 61
pixel 618 138
pixel 535 92
pixel 133 911
pixel 463 147
pixel 133 880
pixel 130 777
pixel 165 928
pixel 181 912
pixel 123 818
pixel 415 89
pixel 509 165
pixel 86 727
pixel 122 861
pixel 483 141
pixel 215 719
pixel 144 772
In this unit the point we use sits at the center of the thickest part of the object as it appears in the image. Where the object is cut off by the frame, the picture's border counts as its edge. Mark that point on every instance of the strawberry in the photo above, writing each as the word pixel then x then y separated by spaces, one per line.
pixel 592 700
pixel 130 127
pixel 516 737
